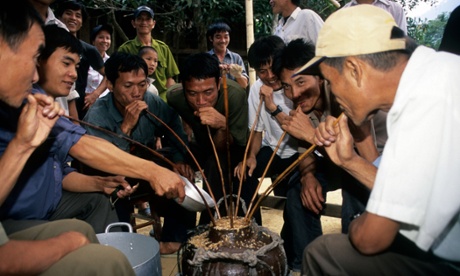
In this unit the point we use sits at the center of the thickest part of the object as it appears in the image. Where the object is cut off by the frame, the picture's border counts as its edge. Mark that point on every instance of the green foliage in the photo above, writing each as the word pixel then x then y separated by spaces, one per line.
pixel 191 17
pixel 427 32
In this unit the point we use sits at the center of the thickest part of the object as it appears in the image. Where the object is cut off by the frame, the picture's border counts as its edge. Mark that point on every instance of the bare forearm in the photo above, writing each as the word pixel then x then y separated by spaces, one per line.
pixel 256 143
pixel 12 161
pixel 81 183
pixel 361 169
pixel 170 82
pixel 242 81
pixel 371 234
pixel 39 255
pixel 102 155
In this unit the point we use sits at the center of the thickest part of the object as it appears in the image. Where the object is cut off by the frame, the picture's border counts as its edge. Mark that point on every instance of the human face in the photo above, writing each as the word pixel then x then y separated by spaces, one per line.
pixel 151 58
pixel 16 82
pixel 73 20
pixel 266 75
pixel 144 23
pixel 201 92
pixel 349 96
pixel 102 41
pixel 59 72
pixel 303 90
pixel 278 5
pixel 129 87
pixel 220 41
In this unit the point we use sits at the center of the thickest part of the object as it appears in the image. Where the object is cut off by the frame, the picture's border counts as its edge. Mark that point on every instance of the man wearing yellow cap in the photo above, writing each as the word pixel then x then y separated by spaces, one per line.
pixel 412 221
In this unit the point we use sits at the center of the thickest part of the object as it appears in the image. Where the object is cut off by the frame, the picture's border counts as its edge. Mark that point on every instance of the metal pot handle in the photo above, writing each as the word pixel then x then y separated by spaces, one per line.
pixel 130 228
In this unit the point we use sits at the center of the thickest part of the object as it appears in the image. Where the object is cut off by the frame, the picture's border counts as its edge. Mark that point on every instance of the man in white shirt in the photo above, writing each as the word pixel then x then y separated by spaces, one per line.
pixel 295 22
pixel 412 221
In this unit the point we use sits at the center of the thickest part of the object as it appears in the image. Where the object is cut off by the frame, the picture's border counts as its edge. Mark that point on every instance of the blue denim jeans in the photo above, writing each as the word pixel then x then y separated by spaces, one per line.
pixel 301 226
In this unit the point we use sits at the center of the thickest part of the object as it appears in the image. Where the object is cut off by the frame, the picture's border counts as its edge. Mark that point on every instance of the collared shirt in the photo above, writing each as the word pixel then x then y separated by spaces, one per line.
pixel 95 78
pixel 303 24
pixel 39 187
pixel 51 19
pixel 392 7
pixel 417 183
pixel 267 124
pixel 167 67
pixel 104 114
pixel 232 58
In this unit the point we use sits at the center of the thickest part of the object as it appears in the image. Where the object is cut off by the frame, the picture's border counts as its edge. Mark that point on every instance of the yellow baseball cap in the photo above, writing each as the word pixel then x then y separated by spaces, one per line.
pixel 358 30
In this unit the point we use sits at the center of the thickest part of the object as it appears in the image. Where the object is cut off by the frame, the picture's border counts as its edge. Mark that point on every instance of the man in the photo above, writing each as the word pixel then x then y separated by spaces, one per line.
pixel 38 195
pixel 200 103
pixel 267 130
pixel 411 221
pixel 295 22
pixel 123 112
pixel 316 175
pixel 219 36
pixel 57 65
pixel 72 13
pixel 71 245
pixel 390 6
pixel 167 69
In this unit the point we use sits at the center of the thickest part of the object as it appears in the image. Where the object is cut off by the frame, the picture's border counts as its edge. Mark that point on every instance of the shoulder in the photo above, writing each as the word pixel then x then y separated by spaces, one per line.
pixel 175 94
pixel 235 90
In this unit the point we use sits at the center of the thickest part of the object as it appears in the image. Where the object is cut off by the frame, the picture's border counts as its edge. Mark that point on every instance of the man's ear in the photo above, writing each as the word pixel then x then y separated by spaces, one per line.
pixel 109 85
pixel 154 23
pixel 132 24
pixel 353 68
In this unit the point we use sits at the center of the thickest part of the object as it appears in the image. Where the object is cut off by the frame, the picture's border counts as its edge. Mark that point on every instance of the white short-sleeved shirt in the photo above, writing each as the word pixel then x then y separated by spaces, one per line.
pixel 392 7
pixel 303 24
pixel 267 124
pixel 418 180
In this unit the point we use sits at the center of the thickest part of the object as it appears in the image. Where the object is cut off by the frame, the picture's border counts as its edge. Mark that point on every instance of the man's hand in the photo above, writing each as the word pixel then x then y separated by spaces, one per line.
pixel 37 119
pixel 299 125
pixel 235 70
pixel 167 183
pixel 211 117
pixel 109 183
pixel 266 93
pixel 311 193
pixel 251 164
pixel 186 171
pixel 90 99
pixel 336 139
pixel 131 117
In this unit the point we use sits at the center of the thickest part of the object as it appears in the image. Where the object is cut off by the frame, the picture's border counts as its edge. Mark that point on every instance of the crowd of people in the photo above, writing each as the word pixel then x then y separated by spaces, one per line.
pixel 355 85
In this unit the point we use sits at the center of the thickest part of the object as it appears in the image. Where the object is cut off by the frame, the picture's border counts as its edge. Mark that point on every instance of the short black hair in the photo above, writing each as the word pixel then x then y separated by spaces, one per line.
pixel 123 62
pixel 71 5
pixel 144 49
pixel 263 50
pixel 296 54
pixel 200 66
pixel 16 19
pixel 217 27
pixel 57 37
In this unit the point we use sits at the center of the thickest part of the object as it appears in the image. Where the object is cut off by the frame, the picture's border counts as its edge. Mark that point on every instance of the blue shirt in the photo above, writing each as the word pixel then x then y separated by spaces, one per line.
pixel 39 186
pixel 232 58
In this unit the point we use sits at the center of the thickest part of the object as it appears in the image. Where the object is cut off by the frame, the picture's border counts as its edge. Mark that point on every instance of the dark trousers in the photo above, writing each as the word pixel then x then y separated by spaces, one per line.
pixel 335 255
pixel 301 226
pixel 176 219
pixel 94 208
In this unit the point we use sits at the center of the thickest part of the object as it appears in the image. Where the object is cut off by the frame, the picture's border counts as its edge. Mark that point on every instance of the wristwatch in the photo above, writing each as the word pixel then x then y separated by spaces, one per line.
pixel 277 111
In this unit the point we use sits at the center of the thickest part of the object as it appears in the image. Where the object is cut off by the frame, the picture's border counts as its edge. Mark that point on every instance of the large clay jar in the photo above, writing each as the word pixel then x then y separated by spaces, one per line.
pixel 244 249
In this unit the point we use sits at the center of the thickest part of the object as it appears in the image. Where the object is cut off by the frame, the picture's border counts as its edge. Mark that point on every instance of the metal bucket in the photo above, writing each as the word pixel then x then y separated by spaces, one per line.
pixel 142 252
